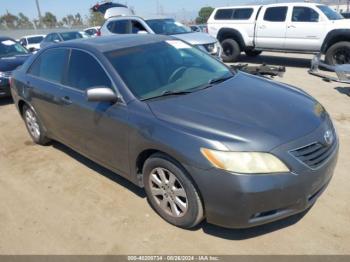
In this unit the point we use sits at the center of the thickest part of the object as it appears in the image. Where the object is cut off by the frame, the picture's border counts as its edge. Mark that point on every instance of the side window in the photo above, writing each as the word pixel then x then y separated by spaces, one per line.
pixel 276 14
pixel 56 38
pixel 119 27
pixel 136 26
pixel 242 14
pixel 85 72
pixel 48 38
pixel 50 65
pixel 304 14
pixel 224 14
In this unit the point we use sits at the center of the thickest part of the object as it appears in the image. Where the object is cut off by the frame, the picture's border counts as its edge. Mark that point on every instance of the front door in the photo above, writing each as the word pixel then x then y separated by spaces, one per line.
pixel 96 129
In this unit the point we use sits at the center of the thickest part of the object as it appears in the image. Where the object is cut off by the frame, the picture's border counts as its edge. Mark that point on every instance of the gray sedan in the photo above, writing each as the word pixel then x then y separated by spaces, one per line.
pixel 205 142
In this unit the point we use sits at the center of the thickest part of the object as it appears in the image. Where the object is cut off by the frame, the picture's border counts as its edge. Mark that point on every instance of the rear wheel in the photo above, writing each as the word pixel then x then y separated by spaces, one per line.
pixel 171 193
pixel 231 50
pixel 338 54
pixel 34 127
pixel 252 53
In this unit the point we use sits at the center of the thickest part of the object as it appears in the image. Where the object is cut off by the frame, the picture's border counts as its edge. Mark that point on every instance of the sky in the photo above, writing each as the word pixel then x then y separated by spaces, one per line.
pixel 61 8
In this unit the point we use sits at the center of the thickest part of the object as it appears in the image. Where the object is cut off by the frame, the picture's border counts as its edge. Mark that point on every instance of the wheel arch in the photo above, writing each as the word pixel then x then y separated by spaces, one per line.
pixel 230 33
pixel 335 36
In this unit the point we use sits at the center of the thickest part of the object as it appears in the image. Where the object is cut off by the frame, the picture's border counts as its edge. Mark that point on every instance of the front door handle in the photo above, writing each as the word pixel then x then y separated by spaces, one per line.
pixel 262 27
pixel 66 100
pixel 291 26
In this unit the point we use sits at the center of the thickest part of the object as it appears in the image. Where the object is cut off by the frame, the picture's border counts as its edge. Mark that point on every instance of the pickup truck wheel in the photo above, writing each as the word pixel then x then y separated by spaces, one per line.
pixel 338 54
pixel 252 53
pixel 231 50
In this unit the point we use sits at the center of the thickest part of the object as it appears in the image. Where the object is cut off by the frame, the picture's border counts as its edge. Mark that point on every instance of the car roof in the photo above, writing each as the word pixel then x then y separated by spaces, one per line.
pixel 113 42
pixel 2 38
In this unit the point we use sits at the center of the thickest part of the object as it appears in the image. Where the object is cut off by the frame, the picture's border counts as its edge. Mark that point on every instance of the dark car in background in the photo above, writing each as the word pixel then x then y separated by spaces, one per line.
pixel 58 37
pixel 12 55
pixel 204 141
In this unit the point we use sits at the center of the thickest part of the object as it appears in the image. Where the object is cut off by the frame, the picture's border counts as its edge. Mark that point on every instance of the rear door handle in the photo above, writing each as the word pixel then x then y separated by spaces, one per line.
pixel 262 27
pixel 66 100
pixel 291 26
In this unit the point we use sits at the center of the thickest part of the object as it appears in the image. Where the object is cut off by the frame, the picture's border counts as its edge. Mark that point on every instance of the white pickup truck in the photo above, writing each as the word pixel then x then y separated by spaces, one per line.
pixel 287 27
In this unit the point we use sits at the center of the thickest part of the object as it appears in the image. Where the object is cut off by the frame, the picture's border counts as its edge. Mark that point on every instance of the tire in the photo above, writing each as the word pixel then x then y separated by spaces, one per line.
pixel 231 50
pixel 252 53
pixel 34 127
pixel 338 54
pixel 179 205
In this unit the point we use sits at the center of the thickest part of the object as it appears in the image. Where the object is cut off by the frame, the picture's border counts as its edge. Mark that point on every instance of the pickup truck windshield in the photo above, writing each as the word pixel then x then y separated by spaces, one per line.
pixel 165 68
pixel 167 27
pixel 330 13
pixel 10 48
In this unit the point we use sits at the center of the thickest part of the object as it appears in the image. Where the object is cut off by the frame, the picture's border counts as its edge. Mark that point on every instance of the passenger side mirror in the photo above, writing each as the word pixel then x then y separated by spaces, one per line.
pixel 101 94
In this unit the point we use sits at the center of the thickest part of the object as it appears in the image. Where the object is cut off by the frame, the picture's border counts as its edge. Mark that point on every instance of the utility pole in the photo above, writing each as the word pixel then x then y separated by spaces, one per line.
pixel 39 12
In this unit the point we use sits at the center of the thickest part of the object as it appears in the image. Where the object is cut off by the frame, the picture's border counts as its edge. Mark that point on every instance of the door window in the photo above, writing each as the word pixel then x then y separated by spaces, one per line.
pixel 119 27
pixel 276 14
pixel 136 27
pixel 304 14
pixel 56 38
pixel 85 72
pixel 50 65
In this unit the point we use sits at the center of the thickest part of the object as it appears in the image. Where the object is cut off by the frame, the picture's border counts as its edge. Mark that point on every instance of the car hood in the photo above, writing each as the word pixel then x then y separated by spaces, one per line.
pixel 196 38
pixel 12 62
pixel 256 113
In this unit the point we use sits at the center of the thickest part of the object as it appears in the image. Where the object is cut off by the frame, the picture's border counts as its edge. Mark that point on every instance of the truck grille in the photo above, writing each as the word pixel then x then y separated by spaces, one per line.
pixel 314 155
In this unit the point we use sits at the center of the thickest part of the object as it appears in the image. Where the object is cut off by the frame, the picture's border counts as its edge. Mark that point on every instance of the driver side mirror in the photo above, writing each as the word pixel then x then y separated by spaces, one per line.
pixel 101 94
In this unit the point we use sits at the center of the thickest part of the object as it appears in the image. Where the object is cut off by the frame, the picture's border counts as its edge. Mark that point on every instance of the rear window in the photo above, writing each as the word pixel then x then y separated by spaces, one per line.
pixel 234 14
pixel 276 14
pixel 119 27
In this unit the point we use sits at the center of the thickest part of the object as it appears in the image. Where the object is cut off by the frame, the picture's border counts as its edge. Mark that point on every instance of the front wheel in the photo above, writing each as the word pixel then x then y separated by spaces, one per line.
pixel 171 193
pixel 338 54
pixel 231 50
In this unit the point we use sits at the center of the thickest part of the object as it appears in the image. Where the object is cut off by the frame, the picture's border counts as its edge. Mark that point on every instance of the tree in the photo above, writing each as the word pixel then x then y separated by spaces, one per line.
pixel 203 14
pixel 9 21
pixel 49 20
pixel 95 19
pixel 24 22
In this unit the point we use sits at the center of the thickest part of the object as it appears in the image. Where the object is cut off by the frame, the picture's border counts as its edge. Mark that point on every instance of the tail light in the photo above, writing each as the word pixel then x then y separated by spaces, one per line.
pixel 98 33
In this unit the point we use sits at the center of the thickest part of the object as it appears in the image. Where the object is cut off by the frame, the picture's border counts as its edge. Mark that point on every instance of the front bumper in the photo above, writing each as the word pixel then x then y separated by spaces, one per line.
pixel 241 201
pixel 4 87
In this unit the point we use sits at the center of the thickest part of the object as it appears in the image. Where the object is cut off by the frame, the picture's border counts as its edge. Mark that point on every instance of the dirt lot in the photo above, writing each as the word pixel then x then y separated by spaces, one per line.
pixel 53 201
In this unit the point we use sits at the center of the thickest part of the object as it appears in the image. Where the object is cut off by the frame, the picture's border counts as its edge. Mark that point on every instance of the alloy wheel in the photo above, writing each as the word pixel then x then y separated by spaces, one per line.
pixel 32 123
pixel 168 192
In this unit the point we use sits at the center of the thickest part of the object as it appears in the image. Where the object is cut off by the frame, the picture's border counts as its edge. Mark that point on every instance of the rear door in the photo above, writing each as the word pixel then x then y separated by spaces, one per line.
pixel 96 129
pixel 44 82
pixel 271 27
pixel 305 29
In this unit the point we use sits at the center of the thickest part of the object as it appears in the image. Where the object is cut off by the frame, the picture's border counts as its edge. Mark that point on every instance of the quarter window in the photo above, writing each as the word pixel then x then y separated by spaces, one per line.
pixel 85 72
pixel 224 14
pixel 234 14
pixel 276 14
pixel 50 65
pixel 304 14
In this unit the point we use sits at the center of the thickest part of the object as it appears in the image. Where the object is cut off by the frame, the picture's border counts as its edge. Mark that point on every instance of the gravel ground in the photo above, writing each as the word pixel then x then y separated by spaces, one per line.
pixel 54 201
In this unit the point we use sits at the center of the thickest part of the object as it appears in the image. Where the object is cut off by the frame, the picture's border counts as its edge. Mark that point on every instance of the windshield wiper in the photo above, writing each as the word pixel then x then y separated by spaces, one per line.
pixel 219 79
pixel 168 93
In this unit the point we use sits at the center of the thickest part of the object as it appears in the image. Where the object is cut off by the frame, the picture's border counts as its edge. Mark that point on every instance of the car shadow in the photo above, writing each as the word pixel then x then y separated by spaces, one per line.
pixel 343 90
pixel 277 60
pixel 100 169
pixel 225 233
pixel 6 101
pixel 242 234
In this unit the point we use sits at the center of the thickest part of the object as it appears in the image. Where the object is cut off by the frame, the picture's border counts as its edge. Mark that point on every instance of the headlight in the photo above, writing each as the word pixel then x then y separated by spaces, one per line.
pixel 213 48
pixel 245 162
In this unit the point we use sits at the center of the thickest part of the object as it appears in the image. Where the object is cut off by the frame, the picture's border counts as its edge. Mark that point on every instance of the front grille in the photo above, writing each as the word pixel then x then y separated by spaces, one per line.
pixel 314 155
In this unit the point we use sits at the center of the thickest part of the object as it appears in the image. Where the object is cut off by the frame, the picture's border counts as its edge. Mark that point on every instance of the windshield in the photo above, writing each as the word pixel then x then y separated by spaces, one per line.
pixel 167 27
pixel 70 35
pixel 330 13
pixel 166 67
pixel 35 39
pixel 11 48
